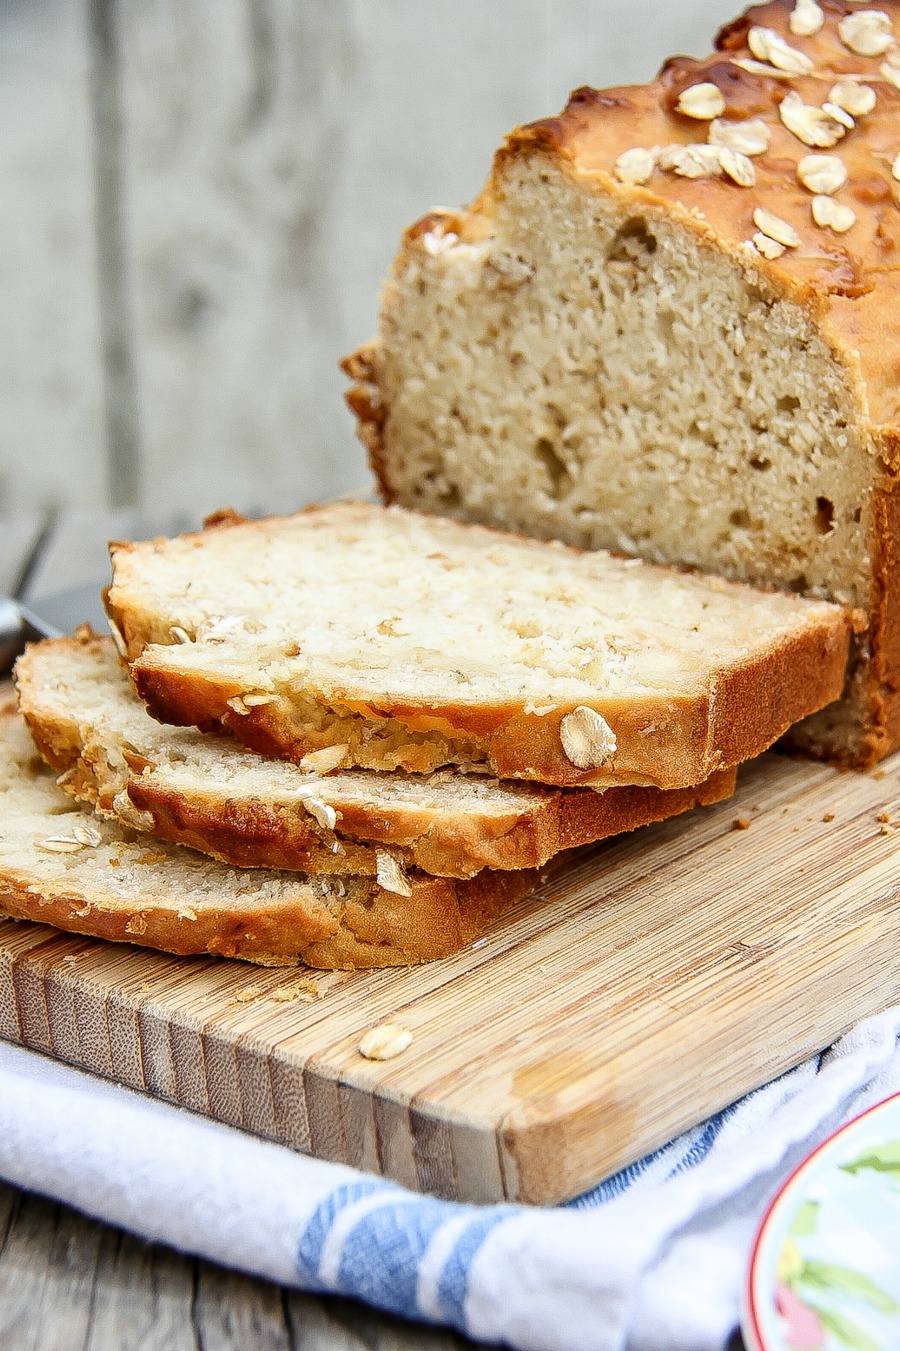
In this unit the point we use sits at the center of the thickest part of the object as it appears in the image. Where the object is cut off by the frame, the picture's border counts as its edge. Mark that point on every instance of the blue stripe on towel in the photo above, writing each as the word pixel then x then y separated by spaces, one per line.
pixel 453 1284
pixel 381 1256
pixel 312 1240
pixel 704 1140
pixel 383 1251
pixel 618 1183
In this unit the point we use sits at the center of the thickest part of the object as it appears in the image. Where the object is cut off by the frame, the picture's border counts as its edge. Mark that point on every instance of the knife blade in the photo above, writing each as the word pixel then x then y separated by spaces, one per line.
pixel 47 617
pixel 18 626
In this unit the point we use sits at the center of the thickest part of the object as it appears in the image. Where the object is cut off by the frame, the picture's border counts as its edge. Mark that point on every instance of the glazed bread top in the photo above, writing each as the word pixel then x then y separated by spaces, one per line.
pixel 413 641
pixel 781 146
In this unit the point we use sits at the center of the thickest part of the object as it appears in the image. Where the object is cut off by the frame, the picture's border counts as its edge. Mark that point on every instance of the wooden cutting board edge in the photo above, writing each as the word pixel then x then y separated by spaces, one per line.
pixel 541 1153
pixel 591 1120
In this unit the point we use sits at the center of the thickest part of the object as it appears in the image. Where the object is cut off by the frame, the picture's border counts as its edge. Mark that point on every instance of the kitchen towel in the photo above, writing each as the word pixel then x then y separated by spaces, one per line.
pixel 651 1259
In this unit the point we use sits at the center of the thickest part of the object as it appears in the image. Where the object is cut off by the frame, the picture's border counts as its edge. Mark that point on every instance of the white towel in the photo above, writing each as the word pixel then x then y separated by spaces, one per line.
pixel 650 1260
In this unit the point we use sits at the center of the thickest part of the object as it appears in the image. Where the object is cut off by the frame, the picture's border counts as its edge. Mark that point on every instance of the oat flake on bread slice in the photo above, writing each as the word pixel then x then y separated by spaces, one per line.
pixel 63 865
pixel 255 811
pixel 415 642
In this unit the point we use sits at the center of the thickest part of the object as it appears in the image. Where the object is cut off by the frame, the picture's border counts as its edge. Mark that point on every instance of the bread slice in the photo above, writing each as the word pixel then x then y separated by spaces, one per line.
pixel 253 812
pixel 413 642
pixel 63 865
pixel 666 327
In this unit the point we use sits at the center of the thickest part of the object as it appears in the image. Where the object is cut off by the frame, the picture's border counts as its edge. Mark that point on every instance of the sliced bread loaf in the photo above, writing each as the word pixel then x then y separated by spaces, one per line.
pixel 670 325
pixel 259 812
pixel 63 865
pixel 413 642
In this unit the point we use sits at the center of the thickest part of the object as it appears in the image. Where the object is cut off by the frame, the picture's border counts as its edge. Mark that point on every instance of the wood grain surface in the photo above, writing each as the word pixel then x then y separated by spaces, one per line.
pixel 52 436
pixel 647 983
pixel 68 1283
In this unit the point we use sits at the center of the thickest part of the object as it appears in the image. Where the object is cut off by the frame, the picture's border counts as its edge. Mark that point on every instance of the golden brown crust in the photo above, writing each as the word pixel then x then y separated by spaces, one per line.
pixel 262 838
pixel 370 410
pixel 663 741
pixel 390 935
pixel 225 516
pixel 849 282
pixel 886 616
pixel 754 705
pixel 746 706
pixel 127 887
pixel 254 833
pixel 873 679
pixel 364 401
pixel 276 935
pixel 389 930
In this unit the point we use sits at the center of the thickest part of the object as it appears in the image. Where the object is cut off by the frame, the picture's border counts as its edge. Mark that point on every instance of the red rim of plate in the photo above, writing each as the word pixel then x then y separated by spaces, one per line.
pixel 749 1301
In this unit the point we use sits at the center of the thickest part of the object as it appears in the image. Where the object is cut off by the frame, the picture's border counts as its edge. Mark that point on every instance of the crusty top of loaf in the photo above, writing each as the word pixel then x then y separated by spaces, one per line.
pixel 769 69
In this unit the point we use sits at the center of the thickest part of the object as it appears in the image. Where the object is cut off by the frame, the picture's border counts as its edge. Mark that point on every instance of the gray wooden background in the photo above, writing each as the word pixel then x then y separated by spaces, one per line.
pixel 198 199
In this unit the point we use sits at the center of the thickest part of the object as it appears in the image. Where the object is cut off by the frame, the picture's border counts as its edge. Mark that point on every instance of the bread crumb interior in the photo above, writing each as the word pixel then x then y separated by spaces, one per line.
pixel 592 371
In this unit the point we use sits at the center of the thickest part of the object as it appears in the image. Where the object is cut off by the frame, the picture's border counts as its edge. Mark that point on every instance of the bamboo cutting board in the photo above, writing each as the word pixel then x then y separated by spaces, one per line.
pixel 649 981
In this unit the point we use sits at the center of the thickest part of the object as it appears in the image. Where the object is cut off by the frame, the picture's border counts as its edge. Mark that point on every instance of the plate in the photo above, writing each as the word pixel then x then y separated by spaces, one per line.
pixel 825 1266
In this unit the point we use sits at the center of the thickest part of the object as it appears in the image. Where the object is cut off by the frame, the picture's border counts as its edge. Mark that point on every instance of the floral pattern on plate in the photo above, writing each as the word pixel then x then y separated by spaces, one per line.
pixel 825 1268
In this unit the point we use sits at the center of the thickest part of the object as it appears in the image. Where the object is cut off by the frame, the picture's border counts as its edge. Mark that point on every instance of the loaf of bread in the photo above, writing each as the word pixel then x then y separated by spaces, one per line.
pixel 413 642
pixel 670 326
pixel 256 812
pixel 63 865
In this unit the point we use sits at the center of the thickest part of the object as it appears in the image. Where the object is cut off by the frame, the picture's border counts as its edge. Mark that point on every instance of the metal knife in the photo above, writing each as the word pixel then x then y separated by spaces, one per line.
pixel 18 626
pixel 47 617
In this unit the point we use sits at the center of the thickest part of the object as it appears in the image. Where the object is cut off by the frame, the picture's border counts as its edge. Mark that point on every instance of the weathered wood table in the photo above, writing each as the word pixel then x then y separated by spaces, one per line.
pixel 68 1283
